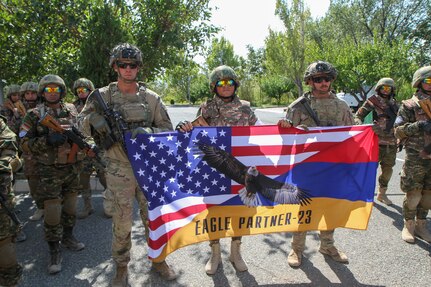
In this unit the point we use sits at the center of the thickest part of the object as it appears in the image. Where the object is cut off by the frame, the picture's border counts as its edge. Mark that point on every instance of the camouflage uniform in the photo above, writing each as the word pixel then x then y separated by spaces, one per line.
pixel 10 270
pixel 58 167
pixel 330 111
pixel 387 139
pixel 10 111
pixel 416 173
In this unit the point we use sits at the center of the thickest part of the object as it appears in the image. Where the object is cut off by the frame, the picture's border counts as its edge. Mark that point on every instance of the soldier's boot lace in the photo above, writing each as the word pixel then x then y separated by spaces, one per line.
pixel 215 259
pixel 334 253
pixel 407 234
pixel 164 270
pixel 69 241
pixel 421 230
pixel 54 265
pixel 382 197
pixel 121 278
pixel 87 210
pixel 38 214
pixel 235 256
pixel 295 258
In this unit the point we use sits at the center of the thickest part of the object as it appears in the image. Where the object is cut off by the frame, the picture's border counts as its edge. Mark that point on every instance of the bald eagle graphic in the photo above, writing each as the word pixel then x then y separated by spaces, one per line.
pixel 253 180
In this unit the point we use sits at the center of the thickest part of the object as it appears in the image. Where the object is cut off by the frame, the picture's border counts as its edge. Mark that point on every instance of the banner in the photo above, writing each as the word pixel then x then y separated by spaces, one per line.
pixel 192 199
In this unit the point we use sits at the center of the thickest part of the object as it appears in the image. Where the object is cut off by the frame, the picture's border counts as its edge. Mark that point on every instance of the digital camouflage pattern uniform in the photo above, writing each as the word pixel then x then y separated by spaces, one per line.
pixel 387 140
pixel 9 111
pixel 143 109
pixel 416 172
pixel 10 270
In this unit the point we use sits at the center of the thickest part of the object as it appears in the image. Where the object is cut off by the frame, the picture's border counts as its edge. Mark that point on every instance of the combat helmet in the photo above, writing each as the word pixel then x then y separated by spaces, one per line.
pixel 385 82
pixel 82 82
pixel 51 79
pixel 125 52
pixel 221 73
pixel 12 89
pixel 320 68
pixel 420 75
pixel 28 86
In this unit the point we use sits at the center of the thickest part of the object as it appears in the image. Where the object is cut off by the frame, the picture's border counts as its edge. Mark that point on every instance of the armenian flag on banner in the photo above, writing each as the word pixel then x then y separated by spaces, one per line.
pixel 327 173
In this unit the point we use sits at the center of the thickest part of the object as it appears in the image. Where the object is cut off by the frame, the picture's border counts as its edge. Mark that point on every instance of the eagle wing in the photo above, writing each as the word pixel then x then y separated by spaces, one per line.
pixel 224 162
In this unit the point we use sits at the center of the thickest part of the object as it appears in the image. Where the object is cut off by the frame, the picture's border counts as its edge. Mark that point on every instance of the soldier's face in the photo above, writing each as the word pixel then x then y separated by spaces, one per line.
pixel 225 88
pixel 426 87
pixel 320 85
pixel 15 97
pixel 30 96
pixel 82 92
pixel 127 70
pixel 52 93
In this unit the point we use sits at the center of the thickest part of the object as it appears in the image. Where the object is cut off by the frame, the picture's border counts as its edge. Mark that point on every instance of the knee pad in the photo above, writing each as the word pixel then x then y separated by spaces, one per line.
pixel 8 253
pixel 69 203
pixel 52 211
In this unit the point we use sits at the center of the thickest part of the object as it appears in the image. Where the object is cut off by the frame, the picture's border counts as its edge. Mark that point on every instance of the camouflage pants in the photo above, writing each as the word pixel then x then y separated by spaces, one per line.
pixel 122 183
pixel 85 176
pixel 387 157
pixel 59 182
pixel 416 184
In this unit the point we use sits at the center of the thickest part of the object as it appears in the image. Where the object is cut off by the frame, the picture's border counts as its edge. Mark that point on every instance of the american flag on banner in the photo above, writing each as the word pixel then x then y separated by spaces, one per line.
pixel 189 201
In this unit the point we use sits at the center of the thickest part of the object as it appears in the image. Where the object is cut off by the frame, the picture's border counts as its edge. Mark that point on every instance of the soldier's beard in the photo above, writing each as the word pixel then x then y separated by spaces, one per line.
pixel 31 104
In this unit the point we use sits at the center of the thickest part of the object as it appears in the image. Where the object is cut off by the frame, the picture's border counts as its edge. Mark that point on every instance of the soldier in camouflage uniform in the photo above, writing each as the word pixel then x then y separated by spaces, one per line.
pixel 384 108
pixel 10 270
pixel 30 99
pixel 11 108
pixel 320 107
pixel 58 167
pixel 143 111
pixel 224 109
pixel 413 127
pixel 82 88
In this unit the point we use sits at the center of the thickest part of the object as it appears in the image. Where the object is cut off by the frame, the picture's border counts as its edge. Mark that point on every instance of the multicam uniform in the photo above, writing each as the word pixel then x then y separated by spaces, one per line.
pixel 143 109
pixel 330 112
pixel 10 270
pixel 387 139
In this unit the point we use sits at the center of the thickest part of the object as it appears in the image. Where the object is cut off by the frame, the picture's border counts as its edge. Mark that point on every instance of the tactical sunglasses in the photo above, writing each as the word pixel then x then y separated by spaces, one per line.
pixel 386 88
pixel 426 81
pixel 82 90
pixel 52 90
pixel 223 83
pixel 122 65
pixel 321 79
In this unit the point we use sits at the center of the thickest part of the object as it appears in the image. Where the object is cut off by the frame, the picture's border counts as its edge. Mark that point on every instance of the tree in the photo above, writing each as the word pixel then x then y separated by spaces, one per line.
pixel 274 86
pixel 220 53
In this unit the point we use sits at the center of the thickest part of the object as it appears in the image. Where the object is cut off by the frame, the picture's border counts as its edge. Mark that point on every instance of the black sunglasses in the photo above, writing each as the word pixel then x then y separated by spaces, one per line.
pixel 321 79
pixel 124 65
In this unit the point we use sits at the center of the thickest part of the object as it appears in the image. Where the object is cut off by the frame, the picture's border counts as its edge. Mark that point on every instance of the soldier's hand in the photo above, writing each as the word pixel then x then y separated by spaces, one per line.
pixel 141 130
pixel 56 139
pixel 304 127
pixel 184 126
pixel 283 123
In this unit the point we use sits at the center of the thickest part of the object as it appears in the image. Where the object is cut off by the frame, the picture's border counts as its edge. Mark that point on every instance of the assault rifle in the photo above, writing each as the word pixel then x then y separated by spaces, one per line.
pixel 425 105
pixel 74 135
pixel 390 112
pixel 115 122
pixel 10 213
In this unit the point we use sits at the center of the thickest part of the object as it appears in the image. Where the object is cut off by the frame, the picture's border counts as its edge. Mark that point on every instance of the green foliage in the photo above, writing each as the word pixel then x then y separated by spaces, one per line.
pixel 274 86
pixel 220 53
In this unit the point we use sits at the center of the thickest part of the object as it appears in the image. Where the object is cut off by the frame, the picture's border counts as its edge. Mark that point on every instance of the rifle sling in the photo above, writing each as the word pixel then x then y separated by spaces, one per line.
pixel 310 111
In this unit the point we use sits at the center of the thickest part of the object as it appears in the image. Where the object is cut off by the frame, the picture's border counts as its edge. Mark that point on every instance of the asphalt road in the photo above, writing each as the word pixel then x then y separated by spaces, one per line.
pixel 378 256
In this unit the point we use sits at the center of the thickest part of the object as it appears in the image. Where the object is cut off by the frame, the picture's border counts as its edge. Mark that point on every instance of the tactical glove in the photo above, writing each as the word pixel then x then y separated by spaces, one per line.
pixel 56 139
pixel 141 130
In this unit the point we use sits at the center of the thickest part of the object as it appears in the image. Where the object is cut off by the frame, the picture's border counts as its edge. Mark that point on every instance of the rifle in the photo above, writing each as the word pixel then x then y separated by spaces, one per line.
pixel 75 136
pixel 10 213
pixel 200 122
pixel 390 112
pixel 310 111
pixel 425 105
pixel 115 122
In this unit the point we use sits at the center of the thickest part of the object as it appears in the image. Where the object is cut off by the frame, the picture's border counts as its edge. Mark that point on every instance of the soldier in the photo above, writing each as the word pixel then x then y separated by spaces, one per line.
pixel 413 127
pixel 13 109
pixel 10 270
pixel 82 88
pixel 384 108
pixel 224 109
pixel 142 111
pixel 30 100
pixel 320 107
pixel 58 165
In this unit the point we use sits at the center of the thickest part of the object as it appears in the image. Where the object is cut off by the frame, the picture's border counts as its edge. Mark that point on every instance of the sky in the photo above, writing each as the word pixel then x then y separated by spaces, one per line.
pixel 247 21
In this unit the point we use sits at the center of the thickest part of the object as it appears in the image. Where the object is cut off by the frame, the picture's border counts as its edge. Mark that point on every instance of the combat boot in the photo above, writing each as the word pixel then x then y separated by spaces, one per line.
pixel 334 253
pixel 164 270
pixel 235 256
pixel 382 197
pixel 215 259
pixel 69 241
pixel 87 210
pixel 421 230
pixel 55 260
pixel 121 278
pixel 408 231
pixel 295 258
pixel 38 214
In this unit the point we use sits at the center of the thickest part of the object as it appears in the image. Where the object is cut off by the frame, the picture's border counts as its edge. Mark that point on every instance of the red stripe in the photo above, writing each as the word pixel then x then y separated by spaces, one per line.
pixel 156 244
pixel 276 130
